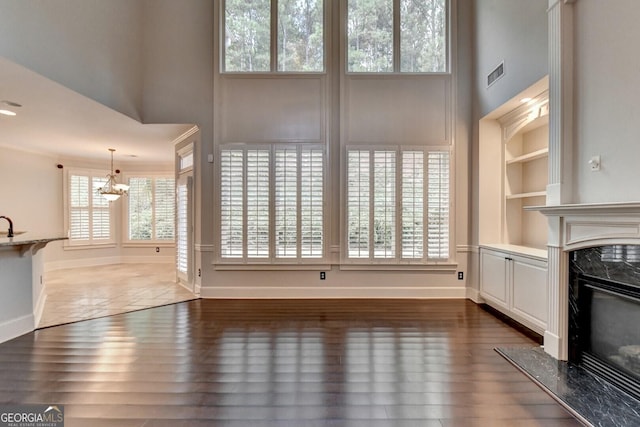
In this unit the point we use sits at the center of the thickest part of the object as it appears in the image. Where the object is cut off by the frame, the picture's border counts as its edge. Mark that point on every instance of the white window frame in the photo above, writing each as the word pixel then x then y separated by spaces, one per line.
pixel 398 259
pixel 127 242
pixel 271 259
pixel 273 41
pixel 91 242
pixel 396 61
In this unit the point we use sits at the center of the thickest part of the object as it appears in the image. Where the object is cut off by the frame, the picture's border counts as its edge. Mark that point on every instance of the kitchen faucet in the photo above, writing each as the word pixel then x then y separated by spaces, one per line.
pixel 10 232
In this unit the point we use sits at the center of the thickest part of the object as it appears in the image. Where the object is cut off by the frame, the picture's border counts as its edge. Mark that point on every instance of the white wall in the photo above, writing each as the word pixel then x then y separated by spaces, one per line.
pixel 607 110
pixel 178 87
pixel 90 46
pixel 31 191
pixel 513 31
pixel 31 187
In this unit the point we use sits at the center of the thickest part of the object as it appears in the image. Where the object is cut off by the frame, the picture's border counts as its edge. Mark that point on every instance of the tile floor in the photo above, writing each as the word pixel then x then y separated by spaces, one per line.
pixel 91 292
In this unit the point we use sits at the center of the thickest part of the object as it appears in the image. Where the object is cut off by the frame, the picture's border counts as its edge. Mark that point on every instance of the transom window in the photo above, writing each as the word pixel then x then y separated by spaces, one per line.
pixel 272 202
pixel 397 205
pixel 386 36
pixel 252 29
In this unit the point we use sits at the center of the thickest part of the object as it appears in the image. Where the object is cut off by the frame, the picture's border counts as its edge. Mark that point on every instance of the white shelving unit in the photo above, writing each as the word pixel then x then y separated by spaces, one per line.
pixel 514 150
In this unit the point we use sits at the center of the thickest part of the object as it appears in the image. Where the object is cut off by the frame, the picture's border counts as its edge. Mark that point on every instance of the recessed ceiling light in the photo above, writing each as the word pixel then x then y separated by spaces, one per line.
pixel 11 104
pixel 523 100
pixel 7 113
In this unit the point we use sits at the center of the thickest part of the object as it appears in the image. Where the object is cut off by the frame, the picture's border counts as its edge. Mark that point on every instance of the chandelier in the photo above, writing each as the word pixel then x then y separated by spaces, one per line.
pixel 111 190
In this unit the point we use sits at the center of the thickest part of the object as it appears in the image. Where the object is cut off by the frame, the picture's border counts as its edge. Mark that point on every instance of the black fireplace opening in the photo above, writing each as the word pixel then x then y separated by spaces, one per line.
pixel 604 313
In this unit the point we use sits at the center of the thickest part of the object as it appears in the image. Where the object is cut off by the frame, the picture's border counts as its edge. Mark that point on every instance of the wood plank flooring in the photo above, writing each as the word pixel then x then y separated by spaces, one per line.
pixel 325 363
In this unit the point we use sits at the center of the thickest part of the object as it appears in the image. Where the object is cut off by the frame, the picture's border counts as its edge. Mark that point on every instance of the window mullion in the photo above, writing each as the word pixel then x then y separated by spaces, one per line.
pixel 274 36
pixel 396 36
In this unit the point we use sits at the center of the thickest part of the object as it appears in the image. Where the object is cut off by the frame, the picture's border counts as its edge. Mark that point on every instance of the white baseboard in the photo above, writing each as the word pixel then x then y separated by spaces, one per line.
pixel 250 292
pixel 15 327
pixel 94 262
pixel 147 259
pixel 474 295
pixel 39 308
pixel 553 346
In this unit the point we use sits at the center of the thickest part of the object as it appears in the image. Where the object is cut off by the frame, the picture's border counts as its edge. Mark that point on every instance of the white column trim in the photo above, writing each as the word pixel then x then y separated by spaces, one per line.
pixel 561 75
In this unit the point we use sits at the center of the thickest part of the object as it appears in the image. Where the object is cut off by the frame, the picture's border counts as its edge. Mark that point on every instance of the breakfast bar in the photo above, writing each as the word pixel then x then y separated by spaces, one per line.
pixel 21 269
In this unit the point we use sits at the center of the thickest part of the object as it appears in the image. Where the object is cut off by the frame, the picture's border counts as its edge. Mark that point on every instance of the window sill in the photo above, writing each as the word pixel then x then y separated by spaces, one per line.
pixel 70 247
pixel 148 245
pixel 443 266
pixel 271 267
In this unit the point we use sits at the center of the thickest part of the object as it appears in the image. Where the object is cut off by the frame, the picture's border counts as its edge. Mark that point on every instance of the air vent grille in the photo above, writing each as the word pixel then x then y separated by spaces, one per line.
pixel 496 74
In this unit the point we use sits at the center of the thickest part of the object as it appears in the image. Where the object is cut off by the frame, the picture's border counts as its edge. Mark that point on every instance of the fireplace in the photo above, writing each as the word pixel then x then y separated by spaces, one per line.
pixel 604 313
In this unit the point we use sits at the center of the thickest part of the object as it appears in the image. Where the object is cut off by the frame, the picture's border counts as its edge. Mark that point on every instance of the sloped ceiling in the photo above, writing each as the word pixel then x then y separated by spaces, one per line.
pixel 56 120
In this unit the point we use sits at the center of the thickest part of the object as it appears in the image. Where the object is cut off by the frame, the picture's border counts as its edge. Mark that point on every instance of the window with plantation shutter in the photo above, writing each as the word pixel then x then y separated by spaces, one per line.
pixel 272 203
pixel 183 225
pixel 151 209
pixel 438 205
pixel 386 211
pixel 89 215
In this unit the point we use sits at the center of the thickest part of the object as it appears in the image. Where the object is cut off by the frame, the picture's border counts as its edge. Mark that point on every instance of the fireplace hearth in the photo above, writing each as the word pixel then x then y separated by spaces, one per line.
pixel 604 313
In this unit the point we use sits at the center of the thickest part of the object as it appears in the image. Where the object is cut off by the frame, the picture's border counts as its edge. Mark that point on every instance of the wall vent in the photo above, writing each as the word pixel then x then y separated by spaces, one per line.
pixel 496 74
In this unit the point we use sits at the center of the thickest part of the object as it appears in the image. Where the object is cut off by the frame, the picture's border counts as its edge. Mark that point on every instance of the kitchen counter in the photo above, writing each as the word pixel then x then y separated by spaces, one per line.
pixel 21 270
pixel 27 239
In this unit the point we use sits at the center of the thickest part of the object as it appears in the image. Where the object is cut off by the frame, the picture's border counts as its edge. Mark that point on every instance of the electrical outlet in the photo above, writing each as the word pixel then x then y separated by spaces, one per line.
pixel 323 275
pixel 199 273
pixel 460 275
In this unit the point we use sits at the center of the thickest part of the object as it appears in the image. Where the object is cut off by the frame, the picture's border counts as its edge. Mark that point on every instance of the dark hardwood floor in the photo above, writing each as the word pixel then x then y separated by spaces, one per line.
pixel 328 363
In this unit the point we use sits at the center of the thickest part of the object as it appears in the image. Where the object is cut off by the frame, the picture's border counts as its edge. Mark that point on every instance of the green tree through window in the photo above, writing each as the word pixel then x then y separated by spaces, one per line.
pixel 299 37
pixel 421 34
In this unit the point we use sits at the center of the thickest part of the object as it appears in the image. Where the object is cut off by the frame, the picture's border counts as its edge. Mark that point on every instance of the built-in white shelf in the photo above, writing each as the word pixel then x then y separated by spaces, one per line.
pixel 526 195
pixel 529 157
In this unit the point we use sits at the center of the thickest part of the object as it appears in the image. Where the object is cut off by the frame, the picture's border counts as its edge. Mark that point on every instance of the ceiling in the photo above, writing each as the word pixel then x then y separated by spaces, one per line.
pixel 56 120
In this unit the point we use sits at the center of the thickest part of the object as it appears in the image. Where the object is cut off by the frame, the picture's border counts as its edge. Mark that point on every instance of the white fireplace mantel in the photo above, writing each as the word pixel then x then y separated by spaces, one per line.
pixel 588 208
pixel 572 227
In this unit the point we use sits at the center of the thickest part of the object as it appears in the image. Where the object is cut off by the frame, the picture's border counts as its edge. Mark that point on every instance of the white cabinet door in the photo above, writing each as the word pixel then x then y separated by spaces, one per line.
pixel 516 285
pixel 494 277
pixel 530 290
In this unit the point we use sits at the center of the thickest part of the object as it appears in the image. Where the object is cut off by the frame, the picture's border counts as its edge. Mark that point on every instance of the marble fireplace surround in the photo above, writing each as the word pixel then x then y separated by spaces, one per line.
pixel 573 227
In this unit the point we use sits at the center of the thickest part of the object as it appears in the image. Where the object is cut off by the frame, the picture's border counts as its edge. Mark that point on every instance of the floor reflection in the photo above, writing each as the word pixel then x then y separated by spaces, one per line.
pixel 280 363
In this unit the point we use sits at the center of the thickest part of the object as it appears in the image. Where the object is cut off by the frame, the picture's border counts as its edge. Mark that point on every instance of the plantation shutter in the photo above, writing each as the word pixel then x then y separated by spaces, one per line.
pixel 89 214
pixel 311 203
pixel 79 227
pixel 438 205
pixel 386 193
pixel 272 203
pixel 231 203
pixel 257 203
pixel 184 229
pixel 384 204
pixel 412 204
pixel 286 166
pixel 164 208
pixel 358 193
